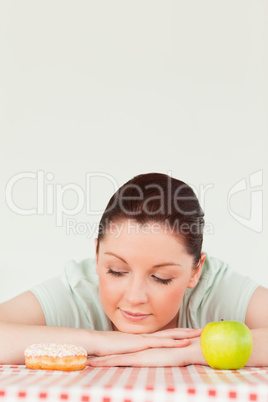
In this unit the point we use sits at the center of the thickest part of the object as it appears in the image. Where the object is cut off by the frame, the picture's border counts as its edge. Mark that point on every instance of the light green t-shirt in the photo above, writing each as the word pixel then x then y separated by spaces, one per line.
pixel 72 299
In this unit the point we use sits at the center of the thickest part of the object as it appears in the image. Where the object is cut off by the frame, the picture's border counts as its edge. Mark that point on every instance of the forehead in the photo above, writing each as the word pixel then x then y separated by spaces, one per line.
pixel 151 238
pixel 131 228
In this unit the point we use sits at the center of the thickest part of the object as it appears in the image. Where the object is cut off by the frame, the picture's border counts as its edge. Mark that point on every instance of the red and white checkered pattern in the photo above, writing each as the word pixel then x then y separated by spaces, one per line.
pixel 131 384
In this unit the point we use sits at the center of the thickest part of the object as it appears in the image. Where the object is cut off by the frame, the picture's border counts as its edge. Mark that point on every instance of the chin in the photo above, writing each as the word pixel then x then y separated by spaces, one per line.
pixel 134 328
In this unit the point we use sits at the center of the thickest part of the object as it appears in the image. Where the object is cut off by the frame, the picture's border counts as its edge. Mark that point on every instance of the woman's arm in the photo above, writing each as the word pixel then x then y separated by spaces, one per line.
pixel 191 354
pixel 22 323
pixel 22 309
pixel 154 357
pixel 256 320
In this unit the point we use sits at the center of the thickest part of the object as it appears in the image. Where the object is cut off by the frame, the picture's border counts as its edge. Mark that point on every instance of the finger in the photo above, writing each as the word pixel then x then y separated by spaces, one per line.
pixel 167 343
pixel 180 330
pixel 178 333
pixel 136 359
pixel 113 360
pixel 145 358
pixel 176 329
pixel 167 331
pixel 193 333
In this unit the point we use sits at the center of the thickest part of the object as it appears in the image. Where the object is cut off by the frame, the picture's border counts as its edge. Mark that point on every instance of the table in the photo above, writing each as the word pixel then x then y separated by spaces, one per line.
pixel 133 384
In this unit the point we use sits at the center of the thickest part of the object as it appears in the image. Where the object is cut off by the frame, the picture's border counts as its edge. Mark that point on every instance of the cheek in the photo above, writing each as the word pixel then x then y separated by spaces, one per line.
pixel 171 297
pixel 109 290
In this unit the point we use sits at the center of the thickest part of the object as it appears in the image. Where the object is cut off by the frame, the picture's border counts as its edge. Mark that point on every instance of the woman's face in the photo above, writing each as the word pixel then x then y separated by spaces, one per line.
pixel 143 274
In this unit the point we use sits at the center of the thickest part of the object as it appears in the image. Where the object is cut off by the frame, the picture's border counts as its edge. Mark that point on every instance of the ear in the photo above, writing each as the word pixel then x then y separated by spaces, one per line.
pixel 96 244
pixel 197 272
pixel 96 255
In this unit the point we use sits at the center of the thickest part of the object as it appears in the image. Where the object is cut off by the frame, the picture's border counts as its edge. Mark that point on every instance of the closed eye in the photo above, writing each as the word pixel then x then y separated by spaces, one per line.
pixel 163 281
pixel 159 280
pixel 115 273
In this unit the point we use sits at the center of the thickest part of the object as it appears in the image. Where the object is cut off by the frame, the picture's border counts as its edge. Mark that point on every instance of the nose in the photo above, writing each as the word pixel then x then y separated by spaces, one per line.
pixel 136 292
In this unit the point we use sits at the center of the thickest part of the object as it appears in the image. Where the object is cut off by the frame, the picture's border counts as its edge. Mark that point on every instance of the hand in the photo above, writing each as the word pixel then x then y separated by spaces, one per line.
pixel 114 342
pixel 154 357
pixel 178 333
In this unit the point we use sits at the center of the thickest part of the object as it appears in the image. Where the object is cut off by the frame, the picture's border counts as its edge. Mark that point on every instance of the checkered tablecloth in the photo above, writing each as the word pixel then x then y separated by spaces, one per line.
pixel 131 384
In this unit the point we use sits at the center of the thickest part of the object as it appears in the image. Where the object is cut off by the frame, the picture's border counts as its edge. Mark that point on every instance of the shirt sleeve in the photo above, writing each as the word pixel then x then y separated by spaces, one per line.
pixel 72 299
pixel 227 296
pixel 59 303
pixel 221 293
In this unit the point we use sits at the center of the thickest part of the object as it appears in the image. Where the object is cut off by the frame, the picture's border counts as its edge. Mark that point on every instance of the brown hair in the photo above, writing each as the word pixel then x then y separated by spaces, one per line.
pixel 157 197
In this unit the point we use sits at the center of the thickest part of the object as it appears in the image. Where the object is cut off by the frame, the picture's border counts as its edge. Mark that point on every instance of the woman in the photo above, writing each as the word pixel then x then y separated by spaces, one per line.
pixel 144 299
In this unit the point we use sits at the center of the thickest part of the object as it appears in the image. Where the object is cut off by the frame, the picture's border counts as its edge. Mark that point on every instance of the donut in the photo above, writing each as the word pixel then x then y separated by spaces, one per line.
pixel 51 356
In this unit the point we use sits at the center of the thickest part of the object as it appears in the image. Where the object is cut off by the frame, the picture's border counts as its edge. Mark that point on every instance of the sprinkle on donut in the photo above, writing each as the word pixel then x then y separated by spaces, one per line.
pixel 54 350
pixel 51 356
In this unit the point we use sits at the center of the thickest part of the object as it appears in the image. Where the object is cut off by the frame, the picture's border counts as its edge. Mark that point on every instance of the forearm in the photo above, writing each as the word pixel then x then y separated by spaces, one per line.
pixel 15 338
pixel 259 355
pixel 194 353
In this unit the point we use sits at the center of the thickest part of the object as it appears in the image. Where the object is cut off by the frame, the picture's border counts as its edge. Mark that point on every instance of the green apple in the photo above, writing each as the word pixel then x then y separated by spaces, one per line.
pixel 226 345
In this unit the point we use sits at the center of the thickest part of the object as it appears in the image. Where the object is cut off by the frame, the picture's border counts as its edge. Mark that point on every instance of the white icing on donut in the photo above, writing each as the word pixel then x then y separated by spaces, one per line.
pixel 54 350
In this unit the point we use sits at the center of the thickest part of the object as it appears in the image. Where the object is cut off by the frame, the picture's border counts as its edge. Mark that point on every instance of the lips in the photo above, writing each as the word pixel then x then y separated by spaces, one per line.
pixel 134 316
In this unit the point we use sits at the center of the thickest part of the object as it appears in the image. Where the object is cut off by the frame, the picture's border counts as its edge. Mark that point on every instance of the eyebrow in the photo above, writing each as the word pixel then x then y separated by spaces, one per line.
pixel 155 266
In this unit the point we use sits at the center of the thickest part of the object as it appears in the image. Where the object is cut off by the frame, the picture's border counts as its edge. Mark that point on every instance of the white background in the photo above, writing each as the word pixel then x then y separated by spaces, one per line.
pixel 106 90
